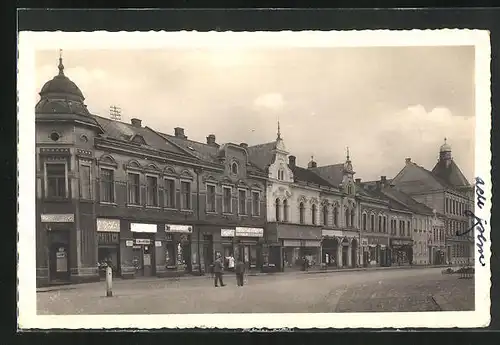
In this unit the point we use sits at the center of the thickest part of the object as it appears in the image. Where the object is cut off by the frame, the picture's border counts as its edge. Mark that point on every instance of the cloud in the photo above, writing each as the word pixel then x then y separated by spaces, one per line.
pixel 270 101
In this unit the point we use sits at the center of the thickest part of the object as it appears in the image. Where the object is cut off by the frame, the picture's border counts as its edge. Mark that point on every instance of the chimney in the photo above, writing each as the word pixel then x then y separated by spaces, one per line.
pixel 291 161
pixel 244 145
pixel 211 139
pixel 378 185
pixel 408 160
pixel 312 164
pixel 179 132
pixel 358 181
pixel 136 122
pixel 383 181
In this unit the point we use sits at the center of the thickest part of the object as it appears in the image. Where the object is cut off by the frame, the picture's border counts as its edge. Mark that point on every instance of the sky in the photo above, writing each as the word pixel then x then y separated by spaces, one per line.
pixel 384 103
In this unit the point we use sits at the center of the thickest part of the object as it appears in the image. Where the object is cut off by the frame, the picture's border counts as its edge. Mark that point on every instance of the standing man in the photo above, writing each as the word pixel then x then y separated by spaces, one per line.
pixel 218 271
pixel 240 271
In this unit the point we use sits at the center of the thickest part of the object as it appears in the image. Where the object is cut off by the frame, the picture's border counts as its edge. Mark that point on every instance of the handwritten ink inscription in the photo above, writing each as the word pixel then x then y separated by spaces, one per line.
pixel 478 222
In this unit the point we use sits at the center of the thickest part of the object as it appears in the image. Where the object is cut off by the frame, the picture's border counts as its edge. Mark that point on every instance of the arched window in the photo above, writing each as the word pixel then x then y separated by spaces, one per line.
pixel 281 175
pixel 285 210
pixel 301 213
pixel 372 222
pixel 364 221
pixel 313 214
pixel 346 217
pixel 234 168
pixel 335 216
pixel 385 224
pixel 352 217
pixel 325 215
pixel 379 223
pixel 277 206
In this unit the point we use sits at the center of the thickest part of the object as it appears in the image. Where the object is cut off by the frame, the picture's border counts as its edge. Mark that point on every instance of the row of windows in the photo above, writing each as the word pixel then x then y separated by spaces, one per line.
pixel 455 226
pixel 57 187
pixel 282 208
pixel 455 207
pixel 460 250
pixel 382 225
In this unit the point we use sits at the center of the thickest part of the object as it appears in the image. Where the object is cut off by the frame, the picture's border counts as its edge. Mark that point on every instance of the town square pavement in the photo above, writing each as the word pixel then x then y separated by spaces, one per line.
pixel 404 290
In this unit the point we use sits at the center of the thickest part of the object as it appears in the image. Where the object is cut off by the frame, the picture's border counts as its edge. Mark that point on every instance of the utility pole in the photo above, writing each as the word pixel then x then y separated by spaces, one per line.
pixel 115 113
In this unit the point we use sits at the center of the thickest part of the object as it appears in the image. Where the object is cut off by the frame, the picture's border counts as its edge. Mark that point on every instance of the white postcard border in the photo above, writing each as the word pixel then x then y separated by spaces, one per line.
pixel 29 42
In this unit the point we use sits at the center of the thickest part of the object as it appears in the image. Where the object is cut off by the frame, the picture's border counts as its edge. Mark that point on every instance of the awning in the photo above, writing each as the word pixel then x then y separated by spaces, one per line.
pixel 298 232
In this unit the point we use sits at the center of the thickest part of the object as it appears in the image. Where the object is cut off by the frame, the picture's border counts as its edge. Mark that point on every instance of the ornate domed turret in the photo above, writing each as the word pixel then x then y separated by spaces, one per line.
pixel 445 153
pixel 61 96
pixel 445 147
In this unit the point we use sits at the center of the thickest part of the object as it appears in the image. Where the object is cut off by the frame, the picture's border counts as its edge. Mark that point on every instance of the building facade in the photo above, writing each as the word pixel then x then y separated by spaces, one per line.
pixel 446 190
pixel 144 202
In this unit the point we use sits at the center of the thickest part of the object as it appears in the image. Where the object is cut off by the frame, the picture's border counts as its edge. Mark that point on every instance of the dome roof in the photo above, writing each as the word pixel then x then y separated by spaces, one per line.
pixel 445 147
pixel 61 85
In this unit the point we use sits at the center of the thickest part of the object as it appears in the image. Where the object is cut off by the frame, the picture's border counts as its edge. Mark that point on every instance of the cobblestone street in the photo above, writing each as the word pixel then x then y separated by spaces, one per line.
pixel 401 290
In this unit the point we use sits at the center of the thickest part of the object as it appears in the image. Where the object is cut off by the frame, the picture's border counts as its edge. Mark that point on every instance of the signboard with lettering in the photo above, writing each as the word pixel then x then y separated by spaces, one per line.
pixel 310 243
pixel 129 243
pixel 108 225
pixel 227 232
pixel 140 241
pixel 249 232
pixel 157 243
pixel 139 227
pixel 178 228
pixel 108 238
pixel 58 218
pixel 401 242
pixel 331 233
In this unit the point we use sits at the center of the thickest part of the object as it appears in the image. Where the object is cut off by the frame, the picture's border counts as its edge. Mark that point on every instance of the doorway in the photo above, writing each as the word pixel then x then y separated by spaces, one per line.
pixel 143 260
pixel 354 253
pixel 59 256
pixel 208 251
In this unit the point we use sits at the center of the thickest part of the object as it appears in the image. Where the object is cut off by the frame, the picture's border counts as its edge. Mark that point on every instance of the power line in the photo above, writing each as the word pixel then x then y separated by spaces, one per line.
pixel 115 113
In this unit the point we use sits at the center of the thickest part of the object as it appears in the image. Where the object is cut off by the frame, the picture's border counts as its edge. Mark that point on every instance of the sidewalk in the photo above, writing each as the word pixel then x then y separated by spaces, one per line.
pixel 254 274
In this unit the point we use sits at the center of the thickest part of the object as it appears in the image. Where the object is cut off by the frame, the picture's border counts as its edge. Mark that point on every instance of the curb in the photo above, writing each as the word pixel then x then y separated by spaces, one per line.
pixel 254 274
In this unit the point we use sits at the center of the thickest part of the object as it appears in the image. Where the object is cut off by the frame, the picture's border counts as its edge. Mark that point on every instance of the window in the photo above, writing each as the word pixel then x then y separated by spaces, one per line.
pixel 152 191
pixel 256 203
pixel 335 216
pixel 346 217
pixel 385 224
pixel 372 222
pixel 234 168
pixel 379 223
pixel 325 215
pixel 56 180
pixel 281 175
pixel 226 195
pixel 85 182
pixel 169 193
pixel 107 186
pixel 277 206
pixel 185 195
pixel 408 229
pixel 447 206
pixel 285 210
pixel 352 218
pixel 301 212
pixel 242 201
pixel 210 198
pixel 364 221
pixel 133 189
pixel 453 206
pixel 313 214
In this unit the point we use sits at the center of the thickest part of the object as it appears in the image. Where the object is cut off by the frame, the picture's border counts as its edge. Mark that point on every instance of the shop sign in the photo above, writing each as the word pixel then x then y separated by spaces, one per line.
pixel 291 243
pixel 401 242
pixel 58 218
pixel 376 240
pixel 139 227
pixel 312 244
pixel 108 238
pixel 249 232
pixel 382 246
pixel 178 228
pixel 140 241
pixel 227 232
pixel 108 225
pixel 129 243
pixel 157 243
pixel 331 233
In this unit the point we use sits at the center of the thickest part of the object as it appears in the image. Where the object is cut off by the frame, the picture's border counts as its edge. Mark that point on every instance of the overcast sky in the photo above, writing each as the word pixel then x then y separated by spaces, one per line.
pixel 384 103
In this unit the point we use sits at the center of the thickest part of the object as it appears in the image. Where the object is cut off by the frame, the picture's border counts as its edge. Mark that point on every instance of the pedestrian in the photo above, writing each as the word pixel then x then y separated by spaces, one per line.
pixel 218 267
pixel 230 263
pixel 240 272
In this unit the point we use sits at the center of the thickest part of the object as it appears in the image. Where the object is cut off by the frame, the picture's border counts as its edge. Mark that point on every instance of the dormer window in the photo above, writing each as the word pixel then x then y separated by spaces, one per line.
pixel 281 175
pixel 234 168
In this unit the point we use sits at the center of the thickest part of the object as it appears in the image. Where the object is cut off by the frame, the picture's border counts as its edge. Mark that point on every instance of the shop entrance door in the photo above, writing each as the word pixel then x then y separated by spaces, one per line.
pixel 59 256
pixel 137 259
pixel 147 260
pixel 345 256
pixel 208 251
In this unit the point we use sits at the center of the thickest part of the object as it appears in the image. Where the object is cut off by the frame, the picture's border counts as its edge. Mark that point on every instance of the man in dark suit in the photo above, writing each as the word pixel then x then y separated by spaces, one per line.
pixel 240 272
pixel 218 271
